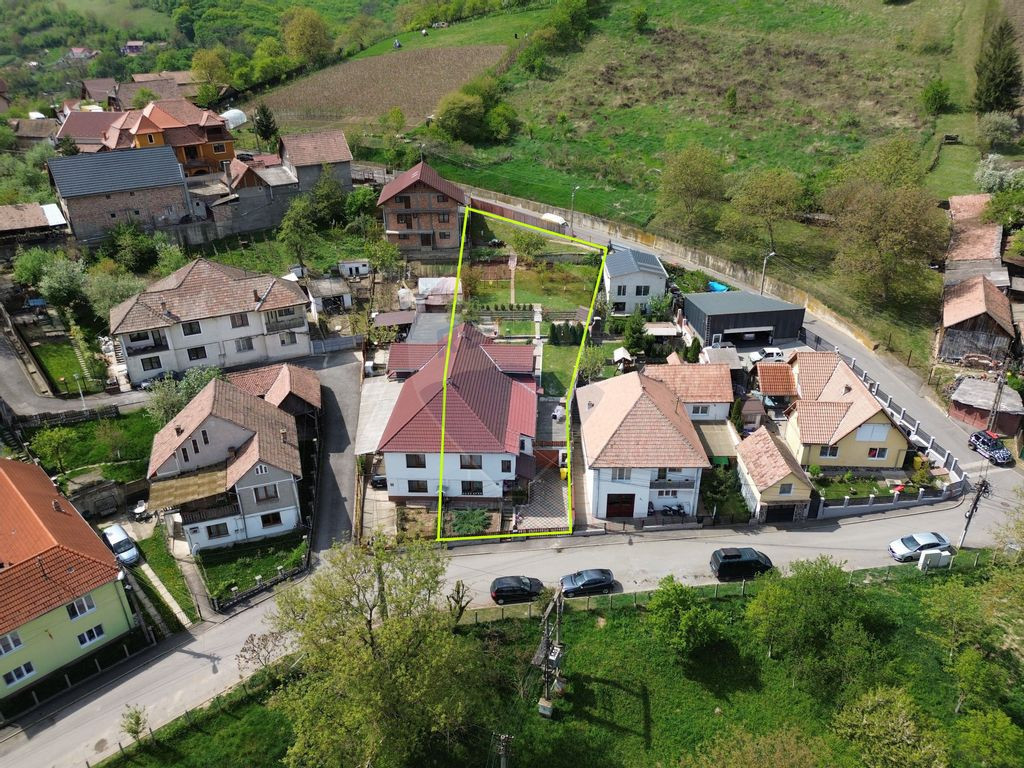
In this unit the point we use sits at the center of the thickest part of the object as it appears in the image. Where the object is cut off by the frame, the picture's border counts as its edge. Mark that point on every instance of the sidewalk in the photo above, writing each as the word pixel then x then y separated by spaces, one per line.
pixel 194 580
pixel 165 595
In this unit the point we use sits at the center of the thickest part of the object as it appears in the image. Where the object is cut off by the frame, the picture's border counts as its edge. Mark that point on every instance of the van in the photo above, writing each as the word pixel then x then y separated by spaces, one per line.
pixel 735 563
pixel 121 544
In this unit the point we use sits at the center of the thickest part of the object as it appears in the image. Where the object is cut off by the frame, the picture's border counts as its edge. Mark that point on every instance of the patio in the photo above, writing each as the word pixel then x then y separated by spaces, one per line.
pixel 548 505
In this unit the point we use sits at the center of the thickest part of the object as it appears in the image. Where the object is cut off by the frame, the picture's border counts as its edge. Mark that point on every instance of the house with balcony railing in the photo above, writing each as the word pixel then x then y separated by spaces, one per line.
pixel 210 314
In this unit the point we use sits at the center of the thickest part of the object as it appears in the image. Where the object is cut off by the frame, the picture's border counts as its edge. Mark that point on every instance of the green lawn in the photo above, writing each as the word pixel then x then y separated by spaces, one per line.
pixel 260 252
pixel 127 14
pixel 239 566
pixel 58 359
pixel 558 364
pixel 154 549
pixel 523 328
pixel 172 622
pixel 85 450
pixel 862 488
pixel 558 286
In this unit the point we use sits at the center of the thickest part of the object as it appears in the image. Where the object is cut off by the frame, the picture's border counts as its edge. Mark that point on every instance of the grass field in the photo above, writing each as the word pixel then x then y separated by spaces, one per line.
pixel 85 450
pixel 557 286
pixel 122 13
pixel 559 362
pixel 59 361
pixel 154 549
pixel 239 566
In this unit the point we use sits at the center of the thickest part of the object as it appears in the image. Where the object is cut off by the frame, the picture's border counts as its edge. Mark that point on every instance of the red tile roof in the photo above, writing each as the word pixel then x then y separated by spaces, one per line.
pixel 776 379
pixel 976 296
pixel 695 383
pixel 426 174
pixel 49 554
pixel 316 148
pixel 274 383
pixel 833 400
pixel 512 358
pixel 766 461
pixel 487 411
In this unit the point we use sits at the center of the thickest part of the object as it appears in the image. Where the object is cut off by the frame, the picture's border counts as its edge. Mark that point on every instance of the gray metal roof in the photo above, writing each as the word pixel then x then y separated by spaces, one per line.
pixel 625 261
pixel 118 171
pixel 430 328
pixel 979 393
pixel 734 302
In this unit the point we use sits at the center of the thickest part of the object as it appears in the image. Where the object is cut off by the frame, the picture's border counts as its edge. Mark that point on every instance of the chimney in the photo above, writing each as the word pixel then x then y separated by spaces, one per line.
pixel 231 452
pixel 57 507
pixel 847 389
pixel 284 435
pixel 590 404
pixel 178 430
pixel 255 295
pixel 163 307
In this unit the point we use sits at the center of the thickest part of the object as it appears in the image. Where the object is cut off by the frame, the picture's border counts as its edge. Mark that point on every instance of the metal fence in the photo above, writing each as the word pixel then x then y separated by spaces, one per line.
pixel 64 418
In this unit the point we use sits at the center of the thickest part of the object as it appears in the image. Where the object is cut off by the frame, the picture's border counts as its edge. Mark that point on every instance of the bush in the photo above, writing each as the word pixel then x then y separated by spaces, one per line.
pixel 935 97
pixel 848 477
pixel 814 471
pixel 995 128
pixel 638 19
pixel 469 522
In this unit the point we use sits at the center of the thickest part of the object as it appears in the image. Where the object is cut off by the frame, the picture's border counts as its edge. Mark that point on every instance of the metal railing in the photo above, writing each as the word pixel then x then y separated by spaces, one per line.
pixel 285 323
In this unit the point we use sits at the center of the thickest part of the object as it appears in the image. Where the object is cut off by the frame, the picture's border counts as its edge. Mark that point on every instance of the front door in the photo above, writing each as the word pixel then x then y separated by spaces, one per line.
pixel 425 241
pixel 620 504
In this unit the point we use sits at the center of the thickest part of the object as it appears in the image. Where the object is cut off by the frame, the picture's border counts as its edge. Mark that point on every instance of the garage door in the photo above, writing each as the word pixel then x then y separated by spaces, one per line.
pixel 780 513
pixel 620 504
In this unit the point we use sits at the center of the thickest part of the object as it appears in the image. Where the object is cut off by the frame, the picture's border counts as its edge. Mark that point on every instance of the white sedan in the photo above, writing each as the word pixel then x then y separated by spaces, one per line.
pixel 910 547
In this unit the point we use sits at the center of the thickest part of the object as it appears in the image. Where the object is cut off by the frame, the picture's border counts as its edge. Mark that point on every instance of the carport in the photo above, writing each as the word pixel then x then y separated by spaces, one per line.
pixel 377 400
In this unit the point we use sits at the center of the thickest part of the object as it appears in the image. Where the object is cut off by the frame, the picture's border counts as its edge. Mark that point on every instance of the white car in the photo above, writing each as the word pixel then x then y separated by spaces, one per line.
pixel 910 547
pixel 768 355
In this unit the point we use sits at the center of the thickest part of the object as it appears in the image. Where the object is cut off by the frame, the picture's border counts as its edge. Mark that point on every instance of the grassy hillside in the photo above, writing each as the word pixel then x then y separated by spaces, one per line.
pixel 122 14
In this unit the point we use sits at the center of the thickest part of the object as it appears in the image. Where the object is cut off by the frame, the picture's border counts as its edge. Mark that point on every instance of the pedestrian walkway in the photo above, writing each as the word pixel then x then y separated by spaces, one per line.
pixel 166 596
pixel 194 580
pixel 148 607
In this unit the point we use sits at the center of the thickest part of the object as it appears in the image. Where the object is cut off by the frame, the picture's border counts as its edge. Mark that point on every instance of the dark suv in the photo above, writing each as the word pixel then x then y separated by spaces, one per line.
pixel 733 563
pixel 989 446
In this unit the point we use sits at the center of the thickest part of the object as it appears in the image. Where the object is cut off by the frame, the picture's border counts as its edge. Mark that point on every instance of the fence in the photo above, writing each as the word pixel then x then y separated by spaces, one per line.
pixel 336 344
pixel 64 418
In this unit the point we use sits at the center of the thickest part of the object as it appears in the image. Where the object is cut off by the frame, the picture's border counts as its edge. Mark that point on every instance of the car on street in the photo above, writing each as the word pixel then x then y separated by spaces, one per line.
pixel 768 355
pixel 515 589
pixel 988 445
pixel 910 547
pixel 734 563
pixel 121 544
pixel 589 582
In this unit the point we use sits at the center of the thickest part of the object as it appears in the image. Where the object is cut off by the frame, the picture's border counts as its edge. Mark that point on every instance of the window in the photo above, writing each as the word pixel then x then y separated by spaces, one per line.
pixel 19 673
pixel 90 635
pixel 417 486
pixel 197 353
pixel 416 460
pixel 700 410
pixel 191 329
pixel 403 218
pixel 113 215
pixel 151 363
pixel 878 453
pixel 81 606
pixel 107 196
pixel 217 531
pixel 643 290
pixel 184 455
pixel 442 218
pixel 621 474
pixel 265 492
pixel 288 338
pixel 131 194
pixel 506 466
pixel 240 320
pixel 149 136
pixel 873 433
pixel 620 290
pixel 445 235
pixel 785 489
pixel 135 211
pixel 828 451
pixel 471 461
pixel 137 337
pixel 668 494
pixel 218 149
pixel 442 198
pixel 522 445
pixel 286 312
pixel 472 488
pixel 195 445
pixel 261 469
pixel 270 519
pixel 206 437
pixel 244 344
pixel 9 642
pixel 403 237
pixel 403 200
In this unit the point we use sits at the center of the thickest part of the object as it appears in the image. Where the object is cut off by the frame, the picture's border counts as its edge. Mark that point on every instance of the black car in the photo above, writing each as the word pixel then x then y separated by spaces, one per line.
pixel 733 563
pixel 589 582
pixel 380 482
pixel 989 446
pixel 515 589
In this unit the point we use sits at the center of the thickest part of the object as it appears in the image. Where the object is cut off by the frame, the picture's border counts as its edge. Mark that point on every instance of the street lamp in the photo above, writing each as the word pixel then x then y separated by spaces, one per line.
pixel 78 381
pixel 764 268
pixel 572 210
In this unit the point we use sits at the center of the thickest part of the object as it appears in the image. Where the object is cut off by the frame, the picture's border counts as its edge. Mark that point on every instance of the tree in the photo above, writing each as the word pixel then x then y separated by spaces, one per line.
pixel 141 98
pixel 693 351
pixel 361 201
pixel 769 196
pixel 8 138
pixel 935 96
pixel 591 363
pixel 327 200
pixel 369 626
pixel 110 436
pixel 270 60
pixel 52 446
pixel 168 396
pixel 635 334
pixel 30 264
pixel 134 721
pixel 736 414
pixel 211 65
pixel 263 123
pixel 362 31
pixel 526 244
pixel 297 232
pixel 135 250
pixel 470 282
pixel 980 682
pixel 305 35
pixel 63 283
pixel 888 730
pixel 169 258
pixel 66 146
pixel 998 71
pixel 105 291
pixel 502 122
pixel 893 162
pixel 692 183
pixel 995 128
pixel 987 740
pixel 384 258
pixel 682 620
pixel 785 748
pixel 462 117
pixel 957 615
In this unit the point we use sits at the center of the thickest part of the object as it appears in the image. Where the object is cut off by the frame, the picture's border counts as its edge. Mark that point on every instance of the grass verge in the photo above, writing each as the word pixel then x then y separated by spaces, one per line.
pixel 154 549
pixel 149 589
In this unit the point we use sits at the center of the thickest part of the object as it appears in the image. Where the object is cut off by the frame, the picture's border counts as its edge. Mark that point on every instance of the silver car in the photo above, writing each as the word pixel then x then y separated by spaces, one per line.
pixel 910 547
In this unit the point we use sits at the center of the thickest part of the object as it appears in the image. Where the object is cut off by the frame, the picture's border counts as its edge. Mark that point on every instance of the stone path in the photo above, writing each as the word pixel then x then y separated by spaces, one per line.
pixel 147 605
pixel 166 596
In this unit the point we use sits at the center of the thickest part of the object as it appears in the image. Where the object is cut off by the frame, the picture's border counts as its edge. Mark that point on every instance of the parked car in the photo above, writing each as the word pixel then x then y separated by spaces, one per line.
pixel 121 544
pixel 589 582
pixel 733 563
pixel 515 589
pixel 768 355
pixel 910 547
pixel 380 482
pixel 988 445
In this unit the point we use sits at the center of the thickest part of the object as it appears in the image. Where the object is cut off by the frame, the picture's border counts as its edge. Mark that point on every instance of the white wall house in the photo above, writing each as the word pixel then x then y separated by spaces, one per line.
pixel 631 279
pixel 639 491
pixel 208 314
pixel 487 475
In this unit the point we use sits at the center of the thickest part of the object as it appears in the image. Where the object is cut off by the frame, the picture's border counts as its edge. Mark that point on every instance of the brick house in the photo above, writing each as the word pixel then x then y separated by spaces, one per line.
pixel 422 210
pixel 98 191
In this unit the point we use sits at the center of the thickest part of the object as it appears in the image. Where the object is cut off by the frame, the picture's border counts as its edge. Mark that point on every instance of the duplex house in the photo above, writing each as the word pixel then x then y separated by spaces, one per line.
pixel 227 466
pixel 61 594
pixel 98 191
pixel 210 314
pixel 836 422
pixel 422 210
pixel 772 482
pixel 641 452
pixel 631 279
pixel 489 431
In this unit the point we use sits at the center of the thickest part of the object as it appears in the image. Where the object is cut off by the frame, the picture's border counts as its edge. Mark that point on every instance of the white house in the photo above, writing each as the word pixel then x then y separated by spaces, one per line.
pixel 490 427
pixel 641 451
pixel 631 279
pixel 226 468
pixel 353 268
pixel 705 390
pixel 210 314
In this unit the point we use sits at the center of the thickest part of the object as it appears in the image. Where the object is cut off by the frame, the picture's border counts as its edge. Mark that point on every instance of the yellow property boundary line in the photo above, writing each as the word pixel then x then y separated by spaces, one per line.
pixel 568 395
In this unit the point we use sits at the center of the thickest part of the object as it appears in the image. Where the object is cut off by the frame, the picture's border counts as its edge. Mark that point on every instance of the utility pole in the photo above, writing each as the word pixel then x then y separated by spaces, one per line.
pixel 572 211
pixel 1000 383
pixel 982 490
pixel 504 742
pixel 764 268
pixel 550 652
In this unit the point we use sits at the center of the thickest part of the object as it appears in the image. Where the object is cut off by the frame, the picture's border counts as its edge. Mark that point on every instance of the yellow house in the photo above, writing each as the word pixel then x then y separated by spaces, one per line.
pixel 772 482
pixel 60 590
pixel 836 422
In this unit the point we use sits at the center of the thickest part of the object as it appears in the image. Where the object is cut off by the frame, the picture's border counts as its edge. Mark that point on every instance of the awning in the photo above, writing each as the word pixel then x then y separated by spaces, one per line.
pixel 752 329
pixel 718 438
pixel 376 402
pixel 175 491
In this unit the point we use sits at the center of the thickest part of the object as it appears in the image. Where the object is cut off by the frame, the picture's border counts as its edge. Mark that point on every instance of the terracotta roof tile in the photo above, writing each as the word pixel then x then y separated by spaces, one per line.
pixel 426 174
pixel 274 383
pixel 695 383
pixel 411 357
pixel 776 379
pixel 976 296
pixel 766 461
pixel 316 148
pixel 833 400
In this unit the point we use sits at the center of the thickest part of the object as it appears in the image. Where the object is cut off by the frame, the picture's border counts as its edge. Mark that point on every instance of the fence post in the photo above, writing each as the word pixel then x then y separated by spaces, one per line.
pixel 977 556
pixel 743 588
pixel 634 599
pixel 850 584
pixel 716 590
pixel 887 569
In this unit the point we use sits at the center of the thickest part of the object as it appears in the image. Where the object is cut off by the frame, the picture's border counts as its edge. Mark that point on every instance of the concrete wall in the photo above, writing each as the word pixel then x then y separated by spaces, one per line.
pixel 716 411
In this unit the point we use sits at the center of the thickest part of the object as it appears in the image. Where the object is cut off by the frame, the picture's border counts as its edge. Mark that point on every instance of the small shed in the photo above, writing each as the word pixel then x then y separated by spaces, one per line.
pixel 977 319
pixel 742 317
pixel 331 294
pixel 972 402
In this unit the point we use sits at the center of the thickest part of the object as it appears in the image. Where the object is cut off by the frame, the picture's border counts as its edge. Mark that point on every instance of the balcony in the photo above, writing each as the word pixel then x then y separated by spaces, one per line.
pixel 147 350
pixel 680 482
pixel 285 323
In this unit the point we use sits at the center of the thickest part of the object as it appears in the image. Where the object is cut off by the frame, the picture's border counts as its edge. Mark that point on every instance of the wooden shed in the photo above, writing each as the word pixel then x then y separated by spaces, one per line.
pixel 976 320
